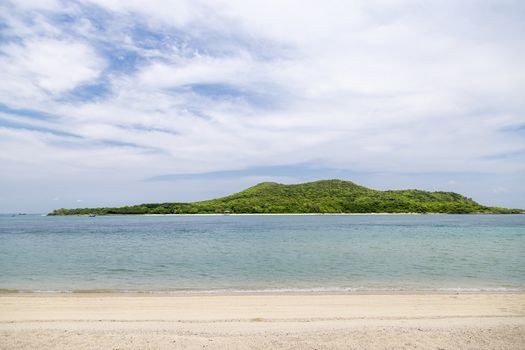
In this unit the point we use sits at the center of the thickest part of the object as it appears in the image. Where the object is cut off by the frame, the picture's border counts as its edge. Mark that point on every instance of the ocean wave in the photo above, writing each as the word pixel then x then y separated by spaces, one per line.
pixel 315 290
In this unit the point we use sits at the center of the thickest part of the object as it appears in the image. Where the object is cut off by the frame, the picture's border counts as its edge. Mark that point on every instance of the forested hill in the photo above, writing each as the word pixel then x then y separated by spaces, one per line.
pixel 325 196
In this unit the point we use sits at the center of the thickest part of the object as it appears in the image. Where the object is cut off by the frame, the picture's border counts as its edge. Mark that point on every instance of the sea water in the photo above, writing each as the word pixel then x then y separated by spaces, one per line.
pixel 239 253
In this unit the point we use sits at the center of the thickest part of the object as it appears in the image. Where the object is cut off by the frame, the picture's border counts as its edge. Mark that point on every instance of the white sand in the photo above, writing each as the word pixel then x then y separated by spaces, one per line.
pixel 117 321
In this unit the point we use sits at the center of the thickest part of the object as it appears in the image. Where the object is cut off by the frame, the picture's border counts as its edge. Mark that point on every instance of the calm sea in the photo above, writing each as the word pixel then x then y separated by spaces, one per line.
pixel 263 253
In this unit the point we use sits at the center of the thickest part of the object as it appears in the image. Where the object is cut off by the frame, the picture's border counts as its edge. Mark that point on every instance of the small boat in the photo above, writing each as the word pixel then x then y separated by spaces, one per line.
pixel 92 215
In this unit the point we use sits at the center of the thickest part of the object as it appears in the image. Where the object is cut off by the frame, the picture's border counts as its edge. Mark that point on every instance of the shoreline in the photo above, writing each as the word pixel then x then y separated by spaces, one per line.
pixel 265 214
pixel 283 214
pixel 261 292
pixel 422 321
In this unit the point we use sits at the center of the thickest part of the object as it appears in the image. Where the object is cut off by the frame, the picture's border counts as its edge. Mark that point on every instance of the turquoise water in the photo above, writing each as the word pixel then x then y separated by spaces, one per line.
pixel 252 253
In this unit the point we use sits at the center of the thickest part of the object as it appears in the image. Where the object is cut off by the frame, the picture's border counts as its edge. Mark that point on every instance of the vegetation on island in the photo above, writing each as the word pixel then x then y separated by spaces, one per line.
pixel 325 196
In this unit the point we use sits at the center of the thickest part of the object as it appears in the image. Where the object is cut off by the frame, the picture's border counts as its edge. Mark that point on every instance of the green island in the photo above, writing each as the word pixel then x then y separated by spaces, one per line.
pixel 325 196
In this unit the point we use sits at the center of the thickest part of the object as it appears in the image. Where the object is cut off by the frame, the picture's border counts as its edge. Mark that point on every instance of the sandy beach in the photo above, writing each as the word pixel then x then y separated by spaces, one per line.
pixel 356 321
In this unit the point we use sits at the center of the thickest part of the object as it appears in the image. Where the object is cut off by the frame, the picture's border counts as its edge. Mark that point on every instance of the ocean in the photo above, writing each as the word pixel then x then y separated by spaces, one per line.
pixel 271 253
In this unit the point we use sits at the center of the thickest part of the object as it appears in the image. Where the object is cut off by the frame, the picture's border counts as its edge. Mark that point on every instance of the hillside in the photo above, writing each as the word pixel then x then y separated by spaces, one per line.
pixel 325 196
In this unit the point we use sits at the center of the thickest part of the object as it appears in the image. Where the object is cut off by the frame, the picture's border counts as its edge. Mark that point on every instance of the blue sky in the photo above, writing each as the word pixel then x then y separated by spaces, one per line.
pixel 110 102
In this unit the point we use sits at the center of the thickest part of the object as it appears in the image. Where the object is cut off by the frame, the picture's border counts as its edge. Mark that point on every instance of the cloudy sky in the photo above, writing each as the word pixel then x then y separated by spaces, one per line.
pixel 110 102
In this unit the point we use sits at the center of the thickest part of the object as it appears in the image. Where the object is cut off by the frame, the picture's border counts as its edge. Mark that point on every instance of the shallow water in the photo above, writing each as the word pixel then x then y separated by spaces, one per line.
pixel 250 253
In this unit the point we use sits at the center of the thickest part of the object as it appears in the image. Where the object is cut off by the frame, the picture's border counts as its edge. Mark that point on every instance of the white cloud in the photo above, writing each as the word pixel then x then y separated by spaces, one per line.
pixel 397 86
pixel 169 12
pixel 198 70
pixel 48 66
pixel 39 5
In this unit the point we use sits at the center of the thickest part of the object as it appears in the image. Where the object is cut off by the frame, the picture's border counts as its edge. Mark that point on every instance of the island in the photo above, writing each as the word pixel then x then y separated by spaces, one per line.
pixel 318 197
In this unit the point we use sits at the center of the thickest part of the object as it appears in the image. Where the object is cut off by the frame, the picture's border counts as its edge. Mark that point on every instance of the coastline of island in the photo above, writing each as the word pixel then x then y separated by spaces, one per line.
pixel 324 197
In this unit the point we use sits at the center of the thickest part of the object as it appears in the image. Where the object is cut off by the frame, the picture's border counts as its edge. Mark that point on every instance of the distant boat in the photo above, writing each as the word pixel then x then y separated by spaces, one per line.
pixel 92 215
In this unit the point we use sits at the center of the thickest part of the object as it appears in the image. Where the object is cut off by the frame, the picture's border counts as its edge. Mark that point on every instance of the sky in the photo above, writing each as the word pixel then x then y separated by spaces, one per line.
pixel 110 102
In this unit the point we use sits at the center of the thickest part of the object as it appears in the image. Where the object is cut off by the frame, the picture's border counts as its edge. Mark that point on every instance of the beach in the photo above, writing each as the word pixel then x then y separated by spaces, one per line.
pixel 272 282
pixel 282 321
